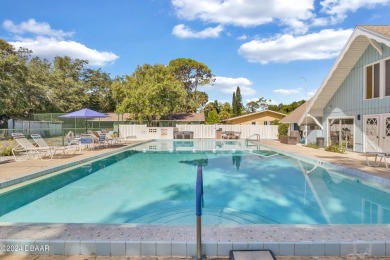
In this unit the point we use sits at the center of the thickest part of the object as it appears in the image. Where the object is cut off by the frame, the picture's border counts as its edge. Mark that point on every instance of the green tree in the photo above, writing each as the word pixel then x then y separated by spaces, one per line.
pixel 151 92
pixel 208 108
pixel 67 91
pixel 286 109
pixel 37 87
pixel 212 117
pixel 226 107
pixel 97 84
pixel 252 106
pixel 237 102
pixel 192 74
pixel 217 106
pixel 234 107
pixel 13 77
pixel 263 103
pixel 224 115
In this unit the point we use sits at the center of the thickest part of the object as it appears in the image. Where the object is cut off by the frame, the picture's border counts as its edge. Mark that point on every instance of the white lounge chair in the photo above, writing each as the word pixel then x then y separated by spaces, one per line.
pixel 42 143
pixel 379 156
pixel 25 149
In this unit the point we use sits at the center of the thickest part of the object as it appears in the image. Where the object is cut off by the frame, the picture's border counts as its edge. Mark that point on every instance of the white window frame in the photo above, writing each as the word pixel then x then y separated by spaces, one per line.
pixel 382 79
pixel 342 117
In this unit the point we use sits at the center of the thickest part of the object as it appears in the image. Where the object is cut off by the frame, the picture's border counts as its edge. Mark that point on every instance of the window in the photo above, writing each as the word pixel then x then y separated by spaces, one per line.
pixel 253 123
pixel 266 123
pixel 372 81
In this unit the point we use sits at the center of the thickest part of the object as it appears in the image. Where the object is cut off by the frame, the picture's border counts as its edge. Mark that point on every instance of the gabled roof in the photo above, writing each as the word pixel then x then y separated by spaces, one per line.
pixel 296 115
pixel 360 39
pixel 255 113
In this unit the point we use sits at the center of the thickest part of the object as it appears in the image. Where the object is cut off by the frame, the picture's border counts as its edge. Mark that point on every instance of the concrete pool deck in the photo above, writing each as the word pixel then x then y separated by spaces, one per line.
pixel 172 241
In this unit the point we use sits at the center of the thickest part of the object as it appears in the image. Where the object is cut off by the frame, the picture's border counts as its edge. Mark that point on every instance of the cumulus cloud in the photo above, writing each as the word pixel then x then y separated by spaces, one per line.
pixel 48 43
pixel 325 44
pixel 183 31
pixel 49 48
pixel 245 13
pixel 338 9
pixel 33 27
pixel 287 91
pixel 229 85
pixel 242 13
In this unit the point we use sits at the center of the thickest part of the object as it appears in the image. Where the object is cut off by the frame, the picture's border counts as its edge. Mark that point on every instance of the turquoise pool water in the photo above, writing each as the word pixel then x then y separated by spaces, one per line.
pixel 242 185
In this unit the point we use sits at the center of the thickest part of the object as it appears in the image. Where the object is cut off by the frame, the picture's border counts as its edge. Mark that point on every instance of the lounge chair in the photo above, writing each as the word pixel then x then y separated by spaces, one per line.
pixel 24 147
pixel 42 143
pixel 378 155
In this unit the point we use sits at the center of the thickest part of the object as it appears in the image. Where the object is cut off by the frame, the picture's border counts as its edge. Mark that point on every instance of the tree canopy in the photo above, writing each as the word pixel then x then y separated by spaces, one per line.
pixel 151 92
pixel 32 85
pixel 192 74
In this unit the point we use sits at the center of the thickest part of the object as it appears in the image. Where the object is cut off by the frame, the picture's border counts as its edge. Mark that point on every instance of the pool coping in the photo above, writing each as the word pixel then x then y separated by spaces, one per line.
pixel 160 240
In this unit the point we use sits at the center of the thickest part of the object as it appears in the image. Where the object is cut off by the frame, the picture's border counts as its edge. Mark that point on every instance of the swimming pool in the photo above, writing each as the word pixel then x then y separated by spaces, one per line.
pixel 154 183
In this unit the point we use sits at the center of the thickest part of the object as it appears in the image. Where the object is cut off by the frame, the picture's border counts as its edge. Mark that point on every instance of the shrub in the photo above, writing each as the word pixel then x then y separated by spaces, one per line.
pixel 336 148
pixel 6 150
pixel 282 130
pixel 312 146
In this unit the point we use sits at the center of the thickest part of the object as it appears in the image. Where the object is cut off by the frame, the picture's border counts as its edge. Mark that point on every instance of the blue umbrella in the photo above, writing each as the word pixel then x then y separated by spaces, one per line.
pixel 85 113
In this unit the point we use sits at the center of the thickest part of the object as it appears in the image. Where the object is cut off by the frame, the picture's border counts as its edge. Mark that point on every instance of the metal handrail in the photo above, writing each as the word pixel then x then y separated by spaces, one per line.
pixel 248 138
pixel 199 199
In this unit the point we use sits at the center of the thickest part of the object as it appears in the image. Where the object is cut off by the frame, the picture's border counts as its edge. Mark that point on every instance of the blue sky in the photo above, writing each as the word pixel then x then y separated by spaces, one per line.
pixel 277 49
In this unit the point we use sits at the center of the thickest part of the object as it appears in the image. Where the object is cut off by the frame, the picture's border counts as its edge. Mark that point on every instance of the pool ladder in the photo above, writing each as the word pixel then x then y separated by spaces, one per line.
pixel 248 139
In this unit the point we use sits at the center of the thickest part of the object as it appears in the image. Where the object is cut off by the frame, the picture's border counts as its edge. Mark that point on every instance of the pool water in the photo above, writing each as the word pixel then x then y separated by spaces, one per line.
pixel 158 187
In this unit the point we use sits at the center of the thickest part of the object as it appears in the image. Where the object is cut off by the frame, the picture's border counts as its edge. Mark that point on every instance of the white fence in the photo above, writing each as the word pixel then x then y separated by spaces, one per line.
pixel 143 132
pixel 208 131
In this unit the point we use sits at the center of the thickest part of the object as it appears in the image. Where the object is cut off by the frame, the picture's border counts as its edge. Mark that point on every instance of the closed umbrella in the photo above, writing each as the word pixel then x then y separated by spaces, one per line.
pixel 85 113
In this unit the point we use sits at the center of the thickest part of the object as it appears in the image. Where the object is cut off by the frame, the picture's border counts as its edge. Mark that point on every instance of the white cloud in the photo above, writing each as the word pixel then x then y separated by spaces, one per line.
pixel 325 44
pixel 338 9
pixel 242 37
pixel 48 43
pixel 49 48
pixel 287 91
pixel 33 27
pixel 183 31
pixel 245 12
pixel 229 85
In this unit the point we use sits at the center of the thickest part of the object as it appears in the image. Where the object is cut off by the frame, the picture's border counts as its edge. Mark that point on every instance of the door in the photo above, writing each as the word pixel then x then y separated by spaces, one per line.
pixel 371 133
pixel 385 133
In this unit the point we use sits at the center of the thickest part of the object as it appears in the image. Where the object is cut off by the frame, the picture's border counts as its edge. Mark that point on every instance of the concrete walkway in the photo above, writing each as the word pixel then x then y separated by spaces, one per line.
pixel 11 169
pixel 352 160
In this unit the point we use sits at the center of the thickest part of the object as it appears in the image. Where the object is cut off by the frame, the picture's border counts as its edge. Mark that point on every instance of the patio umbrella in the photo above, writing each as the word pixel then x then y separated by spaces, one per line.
pixel 85 113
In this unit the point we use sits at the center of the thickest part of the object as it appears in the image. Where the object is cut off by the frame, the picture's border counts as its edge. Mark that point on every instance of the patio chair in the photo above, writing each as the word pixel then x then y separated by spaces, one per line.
pixel 88 141
pixel 377 155
pixel 42 143
pixel 25 149
pixel 102 140
pixel 116 140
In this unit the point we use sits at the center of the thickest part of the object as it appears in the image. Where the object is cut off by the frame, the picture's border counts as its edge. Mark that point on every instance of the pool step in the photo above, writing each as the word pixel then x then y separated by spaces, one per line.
pixel 211 215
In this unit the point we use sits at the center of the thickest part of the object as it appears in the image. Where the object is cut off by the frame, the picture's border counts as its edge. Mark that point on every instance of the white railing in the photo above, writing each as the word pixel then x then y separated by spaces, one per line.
pixel 143 132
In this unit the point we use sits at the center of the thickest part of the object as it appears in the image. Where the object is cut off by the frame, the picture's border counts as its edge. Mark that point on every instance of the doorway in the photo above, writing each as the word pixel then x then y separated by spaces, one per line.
pixel 341 132
pixel 377 133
